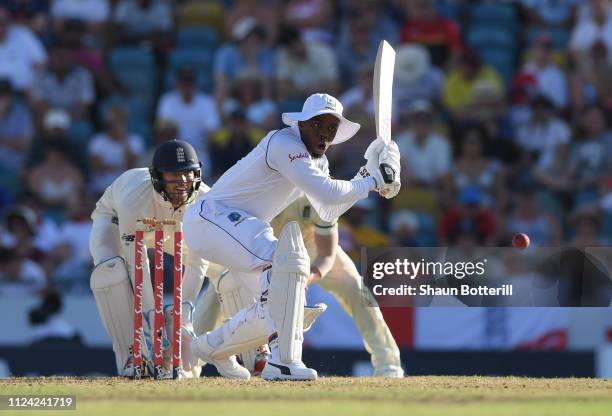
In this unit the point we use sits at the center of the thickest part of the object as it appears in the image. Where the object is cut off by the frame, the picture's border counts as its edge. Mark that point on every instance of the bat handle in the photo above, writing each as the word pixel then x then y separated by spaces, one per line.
pixel 388 173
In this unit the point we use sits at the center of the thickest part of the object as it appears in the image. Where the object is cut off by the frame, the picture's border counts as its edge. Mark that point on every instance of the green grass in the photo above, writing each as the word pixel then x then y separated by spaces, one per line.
pixel 335 396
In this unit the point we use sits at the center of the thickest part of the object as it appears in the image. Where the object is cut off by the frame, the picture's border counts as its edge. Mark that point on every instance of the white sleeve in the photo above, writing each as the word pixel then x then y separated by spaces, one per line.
pixel 211 120
pixel 33 47
pixel 330 197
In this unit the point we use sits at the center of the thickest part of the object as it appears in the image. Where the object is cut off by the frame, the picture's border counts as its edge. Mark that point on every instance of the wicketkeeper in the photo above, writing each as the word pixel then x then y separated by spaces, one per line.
pixel 163 191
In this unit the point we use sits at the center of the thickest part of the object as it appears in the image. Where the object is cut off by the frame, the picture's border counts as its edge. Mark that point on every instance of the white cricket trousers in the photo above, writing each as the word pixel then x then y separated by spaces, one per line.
pixel 232 238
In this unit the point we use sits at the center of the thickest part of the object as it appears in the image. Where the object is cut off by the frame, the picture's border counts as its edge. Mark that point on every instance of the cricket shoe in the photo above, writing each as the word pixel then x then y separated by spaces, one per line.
pixel 227 367
pixel 294 370
pixel 391 371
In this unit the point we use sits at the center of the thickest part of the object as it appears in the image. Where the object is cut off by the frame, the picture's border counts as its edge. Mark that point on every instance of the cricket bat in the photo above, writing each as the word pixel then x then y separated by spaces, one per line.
pixel 382 94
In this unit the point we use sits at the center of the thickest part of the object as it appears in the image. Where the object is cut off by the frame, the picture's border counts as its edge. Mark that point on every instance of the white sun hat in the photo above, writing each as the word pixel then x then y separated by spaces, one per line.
pixel 318 104
pixel 411 63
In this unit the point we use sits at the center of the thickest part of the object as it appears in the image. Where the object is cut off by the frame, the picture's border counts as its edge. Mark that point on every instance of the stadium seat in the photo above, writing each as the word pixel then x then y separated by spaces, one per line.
pixel 447 9
pixel 488 36
pixel 128 56
pixel 197 37
pixel 79 132
pixel 494 15
pixel 196 57
pixel 135 69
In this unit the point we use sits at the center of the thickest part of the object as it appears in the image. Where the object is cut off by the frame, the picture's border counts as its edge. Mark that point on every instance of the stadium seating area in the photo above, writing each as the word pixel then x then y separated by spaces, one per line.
pixel 502 112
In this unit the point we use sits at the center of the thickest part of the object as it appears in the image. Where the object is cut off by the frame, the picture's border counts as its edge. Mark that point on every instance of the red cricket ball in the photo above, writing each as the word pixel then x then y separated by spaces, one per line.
pixel 520 240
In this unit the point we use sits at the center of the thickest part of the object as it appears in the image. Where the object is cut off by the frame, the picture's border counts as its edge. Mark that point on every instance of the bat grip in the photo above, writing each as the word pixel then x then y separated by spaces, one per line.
pixel 388 173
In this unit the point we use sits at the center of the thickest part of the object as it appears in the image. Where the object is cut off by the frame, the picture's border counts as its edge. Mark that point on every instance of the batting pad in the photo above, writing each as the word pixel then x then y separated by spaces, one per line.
pixel 232 299
pixel 290 270
pixel 114 296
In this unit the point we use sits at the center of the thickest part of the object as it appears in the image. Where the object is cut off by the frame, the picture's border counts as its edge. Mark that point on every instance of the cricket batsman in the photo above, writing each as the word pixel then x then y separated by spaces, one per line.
pixel 230 225
pixel 163 191
pixel 333 270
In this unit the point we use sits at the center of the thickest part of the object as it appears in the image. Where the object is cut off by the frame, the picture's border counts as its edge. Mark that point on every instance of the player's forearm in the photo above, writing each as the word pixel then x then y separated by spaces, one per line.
pixel 331 192
pixel 326 251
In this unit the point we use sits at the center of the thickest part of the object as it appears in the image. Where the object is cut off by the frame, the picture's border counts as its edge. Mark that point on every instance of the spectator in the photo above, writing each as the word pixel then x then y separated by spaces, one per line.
pixel 55 180
pixel 360 95
pixel 438 34
pixel 233 142
pixel 143 20
pixel 544 132
pixel 459 85
pixel 114 150
pixel 597 26
pixel 592 79
pixel 304 68
pixel 163 131
pixel 586 225
pixel 404 226
pixel 523 88
pixel 426 153
pixel 55 126
pixel 267 12
pixel 16 129
pixel 528 217
pixel 544 13
pixel 248 52
pixel 247 94
pixel 21 53
pixel 590 163
pixel 556 177
pixel 549 79
pixel 193 111
pixel 365 25
pixel 19 275
pixel 29 13
pixel 93 12
pixel 468 218
pixel 488 111
pixel 47 327
pixel 74 35
pixel 354 49
pixel 313 19
pixel 63 85
pixel 71 252
pixel 22 233
pixel 473 169
pixel 415 77
pixel 45 227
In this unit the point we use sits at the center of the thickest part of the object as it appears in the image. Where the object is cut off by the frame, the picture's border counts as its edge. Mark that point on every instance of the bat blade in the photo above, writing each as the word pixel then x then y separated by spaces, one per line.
pixel 382 89
pixel 383 97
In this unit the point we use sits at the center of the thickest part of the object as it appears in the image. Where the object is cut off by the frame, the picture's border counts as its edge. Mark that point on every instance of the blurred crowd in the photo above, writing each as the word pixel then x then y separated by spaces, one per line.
pixel 501 112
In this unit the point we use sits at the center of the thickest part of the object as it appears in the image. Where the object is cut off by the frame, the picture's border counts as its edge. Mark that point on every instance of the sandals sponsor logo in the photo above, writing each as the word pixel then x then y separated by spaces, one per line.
pixel 302 155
